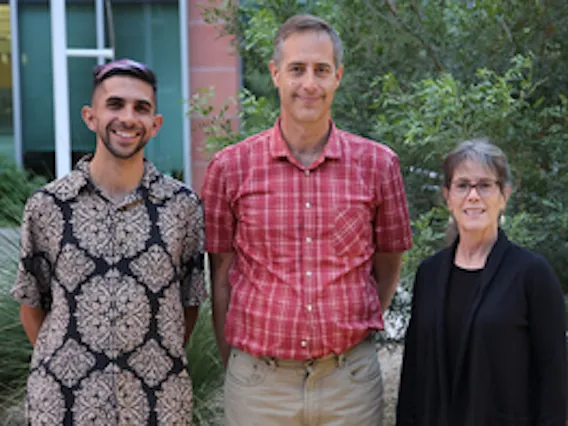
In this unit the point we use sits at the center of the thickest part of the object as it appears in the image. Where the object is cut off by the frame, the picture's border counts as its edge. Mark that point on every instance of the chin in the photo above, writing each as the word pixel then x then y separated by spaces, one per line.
pixel 477 228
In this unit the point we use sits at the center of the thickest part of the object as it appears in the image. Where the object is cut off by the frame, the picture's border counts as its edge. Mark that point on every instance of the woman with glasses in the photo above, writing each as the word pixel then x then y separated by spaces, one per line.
pixel 486 341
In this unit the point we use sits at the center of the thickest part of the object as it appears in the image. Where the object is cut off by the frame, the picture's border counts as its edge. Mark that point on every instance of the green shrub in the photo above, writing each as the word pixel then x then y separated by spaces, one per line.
pixel 16 185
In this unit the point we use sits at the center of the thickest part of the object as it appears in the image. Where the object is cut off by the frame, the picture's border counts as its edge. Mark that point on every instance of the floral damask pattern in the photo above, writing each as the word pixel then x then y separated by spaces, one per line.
pixel 73 267
pixel 113 313
pixel 153 268
pixel 174 401
pixel 113 279
pixel 104 233
pixel 170 322
pixel 52 333
pixel 71 363
pixel 151 362
pixel 46 404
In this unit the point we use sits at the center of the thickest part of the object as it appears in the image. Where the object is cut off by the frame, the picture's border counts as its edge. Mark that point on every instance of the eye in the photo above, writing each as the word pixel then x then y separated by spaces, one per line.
pixel 114 105
pixel 485 185
pixel 462 186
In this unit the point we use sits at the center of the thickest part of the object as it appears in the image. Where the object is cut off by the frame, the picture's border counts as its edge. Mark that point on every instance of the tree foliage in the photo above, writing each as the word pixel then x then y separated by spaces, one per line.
pixel 422 75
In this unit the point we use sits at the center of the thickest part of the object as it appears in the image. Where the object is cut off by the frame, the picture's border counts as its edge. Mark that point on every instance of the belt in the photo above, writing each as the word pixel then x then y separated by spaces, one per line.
pixel 308 364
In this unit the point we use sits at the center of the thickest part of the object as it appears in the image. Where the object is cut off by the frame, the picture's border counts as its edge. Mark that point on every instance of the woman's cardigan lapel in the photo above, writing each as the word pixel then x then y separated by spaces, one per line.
pixel 494 262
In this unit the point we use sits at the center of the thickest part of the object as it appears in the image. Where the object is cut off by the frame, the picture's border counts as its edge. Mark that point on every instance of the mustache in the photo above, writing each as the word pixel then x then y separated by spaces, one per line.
pixel 118 126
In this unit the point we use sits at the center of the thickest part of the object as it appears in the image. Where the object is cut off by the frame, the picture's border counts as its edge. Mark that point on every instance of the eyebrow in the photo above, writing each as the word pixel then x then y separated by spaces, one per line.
pixel 303 64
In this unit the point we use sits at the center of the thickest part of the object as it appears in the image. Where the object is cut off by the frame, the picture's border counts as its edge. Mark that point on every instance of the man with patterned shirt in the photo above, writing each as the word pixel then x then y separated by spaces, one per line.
pixel 305 225
pixel 111 273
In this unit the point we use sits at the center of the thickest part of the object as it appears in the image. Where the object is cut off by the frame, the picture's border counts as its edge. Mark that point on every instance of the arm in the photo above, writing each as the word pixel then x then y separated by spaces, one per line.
pixel 386 270
pixel 190 314
pixel 221 295
pixel 32 320
pixel 547 325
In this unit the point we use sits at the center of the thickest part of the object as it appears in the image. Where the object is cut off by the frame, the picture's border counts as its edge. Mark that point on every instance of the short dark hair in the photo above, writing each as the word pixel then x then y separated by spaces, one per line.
pixel 124 67
pixel 306 23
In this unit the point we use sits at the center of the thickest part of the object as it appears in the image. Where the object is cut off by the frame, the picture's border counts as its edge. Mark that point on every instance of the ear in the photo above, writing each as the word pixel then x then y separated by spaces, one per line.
pixel 339 75
pixel 507 193
pixel 157 124
pixel 274 72
pixel 89 117
pixel 445 193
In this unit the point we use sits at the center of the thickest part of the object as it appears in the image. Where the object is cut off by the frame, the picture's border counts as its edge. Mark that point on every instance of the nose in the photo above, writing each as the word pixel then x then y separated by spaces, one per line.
pixel 128 116
pixel 309 80
pixel 473 194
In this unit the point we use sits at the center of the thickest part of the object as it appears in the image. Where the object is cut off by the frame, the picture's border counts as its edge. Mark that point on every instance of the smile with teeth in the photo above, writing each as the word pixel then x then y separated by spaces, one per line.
pixel 474 212
pixel 124 134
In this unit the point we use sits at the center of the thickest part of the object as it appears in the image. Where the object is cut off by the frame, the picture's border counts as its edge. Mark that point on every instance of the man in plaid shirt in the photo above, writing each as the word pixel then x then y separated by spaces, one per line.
pixel 305 226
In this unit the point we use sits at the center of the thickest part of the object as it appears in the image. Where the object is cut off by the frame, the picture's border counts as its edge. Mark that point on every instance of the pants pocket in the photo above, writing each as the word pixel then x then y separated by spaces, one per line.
pixel 245 370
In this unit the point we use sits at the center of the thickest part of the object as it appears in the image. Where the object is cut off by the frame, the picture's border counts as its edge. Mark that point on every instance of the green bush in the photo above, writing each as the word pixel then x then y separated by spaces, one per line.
pixel 16 185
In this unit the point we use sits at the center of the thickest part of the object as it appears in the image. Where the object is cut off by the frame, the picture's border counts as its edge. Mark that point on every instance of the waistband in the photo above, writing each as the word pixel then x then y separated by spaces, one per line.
pixel 335 359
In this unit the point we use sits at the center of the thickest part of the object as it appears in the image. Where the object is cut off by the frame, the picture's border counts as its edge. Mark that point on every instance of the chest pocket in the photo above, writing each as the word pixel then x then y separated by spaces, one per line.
pixel 352 231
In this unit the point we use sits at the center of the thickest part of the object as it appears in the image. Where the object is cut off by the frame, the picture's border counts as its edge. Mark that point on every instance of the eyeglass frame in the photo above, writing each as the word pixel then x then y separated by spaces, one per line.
pixel 482 193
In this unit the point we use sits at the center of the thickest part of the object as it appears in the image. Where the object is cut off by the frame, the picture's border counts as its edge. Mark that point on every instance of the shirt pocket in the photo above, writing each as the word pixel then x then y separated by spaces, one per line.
pixel 352 231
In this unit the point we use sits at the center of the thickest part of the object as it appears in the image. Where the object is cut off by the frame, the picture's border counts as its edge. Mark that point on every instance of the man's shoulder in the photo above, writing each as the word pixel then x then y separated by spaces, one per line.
pixel 366 147
pixel 167 187
pixel 252 143
pixel 65 187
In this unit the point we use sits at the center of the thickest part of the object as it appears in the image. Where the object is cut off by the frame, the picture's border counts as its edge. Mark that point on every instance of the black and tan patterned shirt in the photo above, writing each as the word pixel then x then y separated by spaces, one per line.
pixel 114 279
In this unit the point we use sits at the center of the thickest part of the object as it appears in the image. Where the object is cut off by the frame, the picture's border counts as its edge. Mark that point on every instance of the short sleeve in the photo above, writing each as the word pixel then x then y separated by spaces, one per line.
pixel 220 221
pixel 392 222
pixel 193 290
pixel 33 280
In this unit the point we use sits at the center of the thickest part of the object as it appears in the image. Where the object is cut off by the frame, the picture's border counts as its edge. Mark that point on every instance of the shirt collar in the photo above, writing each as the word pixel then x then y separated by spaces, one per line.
pixel 279 148
pixel 152 179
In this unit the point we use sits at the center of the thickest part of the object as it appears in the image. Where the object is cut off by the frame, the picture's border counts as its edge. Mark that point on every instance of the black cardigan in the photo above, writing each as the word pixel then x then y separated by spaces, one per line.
pixel 511 367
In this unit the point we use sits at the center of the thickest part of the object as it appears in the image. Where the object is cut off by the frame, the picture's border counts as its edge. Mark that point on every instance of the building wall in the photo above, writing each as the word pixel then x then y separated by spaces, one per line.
pixel 213 62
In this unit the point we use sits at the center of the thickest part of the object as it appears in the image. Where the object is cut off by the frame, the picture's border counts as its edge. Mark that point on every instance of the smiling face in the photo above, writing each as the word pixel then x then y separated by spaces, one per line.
pixel 123 116
pixel 476 209
pixel 306 78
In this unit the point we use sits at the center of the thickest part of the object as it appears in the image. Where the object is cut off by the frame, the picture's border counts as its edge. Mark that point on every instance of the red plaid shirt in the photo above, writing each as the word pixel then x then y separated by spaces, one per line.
pixel 304 238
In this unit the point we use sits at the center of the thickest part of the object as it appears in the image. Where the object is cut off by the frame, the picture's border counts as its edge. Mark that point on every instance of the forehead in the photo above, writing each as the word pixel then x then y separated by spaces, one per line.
pixel 469 169
pixel 124 87
pixel 308 47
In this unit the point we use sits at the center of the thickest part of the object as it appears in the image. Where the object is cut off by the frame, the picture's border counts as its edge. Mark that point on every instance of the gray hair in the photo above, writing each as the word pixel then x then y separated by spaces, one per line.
pixel 482 152
pixel 305 23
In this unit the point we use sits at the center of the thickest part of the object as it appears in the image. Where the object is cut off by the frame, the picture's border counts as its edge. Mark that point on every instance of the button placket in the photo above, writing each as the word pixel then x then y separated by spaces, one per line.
pixel 308 249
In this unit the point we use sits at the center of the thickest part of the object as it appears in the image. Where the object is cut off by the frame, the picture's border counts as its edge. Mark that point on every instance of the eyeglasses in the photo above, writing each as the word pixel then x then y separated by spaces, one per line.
pixel 485 187
pixel 124 67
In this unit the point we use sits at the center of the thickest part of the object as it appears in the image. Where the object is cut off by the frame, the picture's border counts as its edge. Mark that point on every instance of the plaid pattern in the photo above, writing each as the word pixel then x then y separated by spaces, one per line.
pixel 304 237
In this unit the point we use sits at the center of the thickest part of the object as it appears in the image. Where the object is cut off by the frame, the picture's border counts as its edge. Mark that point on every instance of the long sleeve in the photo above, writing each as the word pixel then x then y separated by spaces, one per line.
pixel 548 339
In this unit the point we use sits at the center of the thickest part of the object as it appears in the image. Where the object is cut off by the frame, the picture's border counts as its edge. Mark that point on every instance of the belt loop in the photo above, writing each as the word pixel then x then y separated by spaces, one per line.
pixel 271 362
pixel 340 360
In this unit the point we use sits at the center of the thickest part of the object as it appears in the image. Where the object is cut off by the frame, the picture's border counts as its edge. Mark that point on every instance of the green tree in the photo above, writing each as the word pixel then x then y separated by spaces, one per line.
pixel 422 75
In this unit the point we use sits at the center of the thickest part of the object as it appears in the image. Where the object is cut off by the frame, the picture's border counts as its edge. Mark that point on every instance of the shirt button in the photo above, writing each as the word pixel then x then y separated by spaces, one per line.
pixel 309 308
pixel 308 240
pixel 307 172
pixel 309 273
pixel 308 205
pixel 303 343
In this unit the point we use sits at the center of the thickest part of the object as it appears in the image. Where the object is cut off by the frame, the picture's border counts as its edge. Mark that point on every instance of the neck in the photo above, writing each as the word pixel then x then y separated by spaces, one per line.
pixel 305 139
pixel 116 176
pixel 473 249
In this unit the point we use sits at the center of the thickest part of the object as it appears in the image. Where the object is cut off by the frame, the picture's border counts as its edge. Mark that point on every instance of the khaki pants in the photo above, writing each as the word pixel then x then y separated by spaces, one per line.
pixel 343 390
